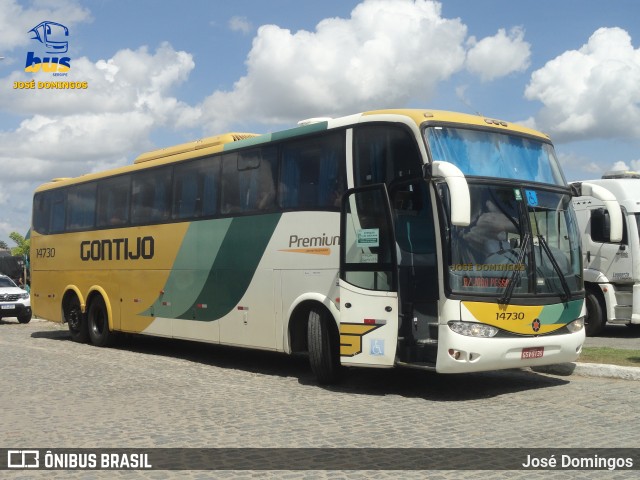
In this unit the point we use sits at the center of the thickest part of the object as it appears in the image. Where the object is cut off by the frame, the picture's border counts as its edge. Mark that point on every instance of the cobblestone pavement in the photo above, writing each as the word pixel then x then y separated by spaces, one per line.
pixel 151 392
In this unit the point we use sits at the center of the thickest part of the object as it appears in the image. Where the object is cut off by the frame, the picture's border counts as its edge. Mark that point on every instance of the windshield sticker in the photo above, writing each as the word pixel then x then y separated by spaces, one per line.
pixel 487 267
pixel 369 258
pixel 482 282
pixel 517 194
pixel 368 237
pixel 532 198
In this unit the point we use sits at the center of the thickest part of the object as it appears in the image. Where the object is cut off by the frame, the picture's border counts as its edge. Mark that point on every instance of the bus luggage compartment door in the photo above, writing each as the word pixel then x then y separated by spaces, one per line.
pixel 368 279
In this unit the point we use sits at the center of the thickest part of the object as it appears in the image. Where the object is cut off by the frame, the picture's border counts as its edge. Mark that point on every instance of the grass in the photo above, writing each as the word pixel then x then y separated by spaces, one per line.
pixel 610 356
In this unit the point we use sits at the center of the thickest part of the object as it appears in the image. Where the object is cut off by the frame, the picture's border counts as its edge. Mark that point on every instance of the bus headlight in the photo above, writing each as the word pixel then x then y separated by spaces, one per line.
pixel 576 325
pixel 473 329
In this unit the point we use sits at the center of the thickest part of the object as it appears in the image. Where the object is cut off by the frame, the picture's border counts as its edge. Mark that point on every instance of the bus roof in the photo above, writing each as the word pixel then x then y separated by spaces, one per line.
pixel 234 140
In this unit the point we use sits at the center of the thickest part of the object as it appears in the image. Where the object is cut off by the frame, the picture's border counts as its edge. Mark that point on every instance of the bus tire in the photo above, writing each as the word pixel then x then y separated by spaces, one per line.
pixel 324 348
pixel 98 323
pixel 76 321
pixel 595 320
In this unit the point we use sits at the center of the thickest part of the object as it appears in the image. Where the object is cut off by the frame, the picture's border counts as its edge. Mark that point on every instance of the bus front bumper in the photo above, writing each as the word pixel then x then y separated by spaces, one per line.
pixel 459 353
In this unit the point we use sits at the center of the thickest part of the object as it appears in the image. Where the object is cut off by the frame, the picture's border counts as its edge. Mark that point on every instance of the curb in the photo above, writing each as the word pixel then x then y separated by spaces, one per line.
pixel 591 370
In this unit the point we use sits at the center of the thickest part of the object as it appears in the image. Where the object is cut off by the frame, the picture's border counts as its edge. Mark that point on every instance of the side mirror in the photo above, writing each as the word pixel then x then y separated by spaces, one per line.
pixel 610 203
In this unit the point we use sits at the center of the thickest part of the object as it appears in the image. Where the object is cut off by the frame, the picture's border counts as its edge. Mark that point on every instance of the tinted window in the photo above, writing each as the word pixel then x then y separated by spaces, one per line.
pixel 312 174
pixel 195 188
pixel 114 197
pixel 248 183
pixel 81 205
pixel 384 153
pixel 150 196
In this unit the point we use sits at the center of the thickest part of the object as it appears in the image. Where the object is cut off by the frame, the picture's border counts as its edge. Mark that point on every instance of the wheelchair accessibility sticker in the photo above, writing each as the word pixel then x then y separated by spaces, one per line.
pixel 376 347
pixel 532 197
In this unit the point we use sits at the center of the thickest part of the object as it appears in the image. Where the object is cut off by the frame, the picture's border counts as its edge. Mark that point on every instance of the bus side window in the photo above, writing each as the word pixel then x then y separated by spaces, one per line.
pixel 81 206
pixel 312 173
pixel 384 153
pixel 150 196
pixel 41 209
pixel 195 188
pixel 257 188
pixel 230 201
pixel 248 184
pixel 58 210
pixel 113 201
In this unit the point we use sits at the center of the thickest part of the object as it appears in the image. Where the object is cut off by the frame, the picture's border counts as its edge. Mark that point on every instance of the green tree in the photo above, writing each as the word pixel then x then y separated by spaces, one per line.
pixel 3 245
pixel 23 245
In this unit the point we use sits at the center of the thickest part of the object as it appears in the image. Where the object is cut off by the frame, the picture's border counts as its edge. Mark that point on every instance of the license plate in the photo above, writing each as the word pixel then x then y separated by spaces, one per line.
pixel 7 307
pixel 532 352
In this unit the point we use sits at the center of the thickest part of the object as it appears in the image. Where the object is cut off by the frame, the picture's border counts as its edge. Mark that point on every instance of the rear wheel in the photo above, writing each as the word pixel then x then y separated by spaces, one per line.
pixel 595 320
pixel 324 347
pixel 76 321
pixel 98 323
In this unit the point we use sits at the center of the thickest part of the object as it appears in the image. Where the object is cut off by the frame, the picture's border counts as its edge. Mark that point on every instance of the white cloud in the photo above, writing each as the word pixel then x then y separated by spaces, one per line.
pixel 72 132
pixel 387 52
pixel 240 24
pixel 131 79
pixel 591 92
pixel 500 55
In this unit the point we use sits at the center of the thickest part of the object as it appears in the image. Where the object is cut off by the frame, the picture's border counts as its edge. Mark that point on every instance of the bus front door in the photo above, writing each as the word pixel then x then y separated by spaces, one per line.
pixel 368 279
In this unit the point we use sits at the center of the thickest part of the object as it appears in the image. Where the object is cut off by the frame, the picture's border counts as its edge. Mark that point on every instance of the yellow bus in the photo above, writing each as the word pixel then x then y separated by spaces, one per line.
pixel 417 238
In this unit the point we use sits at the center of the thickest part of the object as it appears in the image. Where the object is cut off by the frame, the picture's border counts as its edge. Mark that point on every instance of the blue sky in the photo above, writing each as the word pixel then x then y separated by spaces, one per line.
pixel 160 73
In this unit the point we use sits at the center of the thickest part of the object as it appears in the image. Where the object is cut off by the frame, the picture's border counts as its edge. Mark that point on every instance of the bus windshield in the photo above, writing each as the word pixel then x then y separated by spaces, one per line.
pixel 493 154
pixel 521 241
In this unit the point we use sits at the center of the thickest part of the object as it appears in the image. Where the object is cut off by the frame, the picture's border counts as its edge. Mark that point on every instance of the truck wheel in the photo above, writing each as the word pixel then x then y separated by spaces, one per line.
pixel 324 348
pixel 98 323
pixel 594 321
pixel 76 321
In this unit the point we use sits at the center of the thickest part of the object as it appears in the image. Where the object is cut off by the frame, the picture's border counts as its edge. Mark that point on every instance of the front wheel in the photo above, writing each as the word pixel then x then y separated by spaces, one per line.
pixel 324 348
pixel 24 318
pixel 98 323
pixel 595 320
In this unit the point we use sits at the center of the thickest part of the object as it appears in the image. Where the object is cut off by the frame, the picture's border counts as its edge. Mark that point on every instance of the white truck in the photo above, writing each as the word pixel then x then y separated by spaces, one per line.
pixel 611 267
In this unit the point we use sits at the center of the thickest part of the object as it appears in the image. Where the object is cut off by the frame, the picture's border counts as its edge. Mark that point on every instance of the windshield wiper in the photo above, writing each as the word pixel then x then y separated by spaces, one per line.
pixel 515 275
pixel 556 267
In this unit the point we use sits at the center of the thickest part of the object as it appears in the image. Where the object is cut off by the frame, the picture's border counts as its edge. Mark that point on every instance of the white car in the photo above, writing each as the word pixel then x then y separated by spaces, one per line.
pixel 14 301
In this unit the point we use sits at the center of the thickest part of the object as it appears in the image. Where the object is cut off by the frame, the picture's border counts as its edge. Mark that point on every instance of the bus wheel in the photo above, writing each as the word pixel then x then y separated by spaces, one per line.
pixel 594 321
pixel 76 321
pixel 98 323
pixel 324 348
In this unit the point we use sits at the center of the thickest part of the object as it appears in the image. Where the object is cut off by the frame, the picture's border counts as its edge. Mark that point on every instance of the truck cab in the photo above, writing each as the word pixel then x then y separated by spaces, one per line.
pixel 611 269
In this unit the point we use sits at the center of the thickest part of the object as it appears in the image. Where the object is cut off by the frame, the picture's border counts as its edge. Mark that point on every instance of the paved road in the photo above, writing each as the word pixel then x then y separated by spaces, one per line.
pixel 151 392
pixel 617 336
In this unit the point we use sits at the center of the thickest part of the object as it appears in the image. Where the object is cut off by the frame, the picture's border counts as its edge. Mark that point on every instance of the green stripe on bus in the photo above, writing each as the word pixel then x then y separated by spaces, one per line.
pixel 296 132
pixel 233 268
pixel 214 267
pixel 191 268
pixel 561 313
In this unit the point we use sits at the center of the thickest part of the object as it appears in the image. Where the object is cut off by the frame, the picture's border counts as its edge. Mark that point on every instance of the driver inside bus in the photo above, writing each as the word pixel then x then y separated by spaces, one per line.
pixel 489 232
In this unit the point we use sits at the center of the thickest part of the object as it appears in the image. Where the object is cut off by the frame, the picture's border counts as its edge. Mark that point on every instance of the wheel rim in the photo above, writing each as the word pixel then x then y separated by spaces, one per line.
pixel 74 318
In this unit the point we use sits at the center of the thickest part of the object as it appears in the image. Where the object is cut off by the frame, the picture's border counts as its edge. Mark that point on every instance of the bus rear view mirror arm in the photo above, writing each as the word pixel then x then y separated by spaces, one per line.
pixel 458 189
